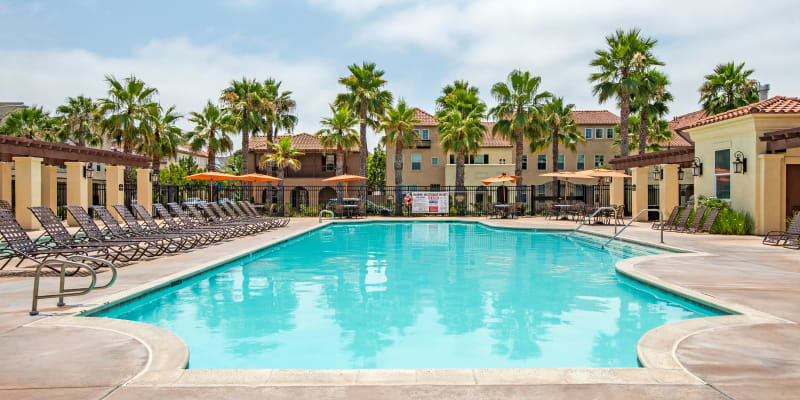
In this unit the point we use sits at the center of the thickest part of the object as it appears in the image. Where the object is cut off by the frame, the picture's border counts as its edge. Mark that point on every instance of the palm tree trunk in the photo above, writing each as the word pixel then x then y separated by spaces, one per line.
pixel 212 160
pixel 643 131
pixel 127 148
pixel 460 160
pixel 624 113
pixel 281 175
pixel 398 177
pixel 518 143
pixel 269 132
pixel 554 164
pixel 362 162
pixel 245 152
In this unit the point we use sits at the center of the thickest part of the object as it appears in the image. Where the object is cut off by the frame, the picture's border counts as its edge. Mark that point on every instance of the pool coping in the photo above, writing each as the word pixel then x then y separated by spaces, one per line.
pixel 656 350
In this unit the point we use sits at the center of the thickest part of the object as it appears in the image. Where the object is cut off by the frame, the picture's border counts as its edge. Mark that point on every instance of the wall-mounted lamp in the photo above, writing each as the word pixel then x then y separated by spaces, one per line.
pixel 87 171
pixel 739 163
pixel 697 167
pixel 154 177
pixel 681 173
pixel 658 174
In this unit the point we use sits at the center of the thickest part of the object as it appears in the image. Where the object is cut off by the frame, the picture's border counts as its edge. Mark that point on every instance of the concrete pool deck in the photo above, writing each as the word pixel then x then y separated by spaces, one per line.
pixel 752 355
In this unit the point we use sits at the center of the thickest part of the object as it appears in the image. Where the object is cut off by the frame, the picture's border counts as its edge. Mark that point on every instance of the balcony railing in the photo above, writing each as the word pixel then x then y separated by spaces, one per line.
pixel 423 144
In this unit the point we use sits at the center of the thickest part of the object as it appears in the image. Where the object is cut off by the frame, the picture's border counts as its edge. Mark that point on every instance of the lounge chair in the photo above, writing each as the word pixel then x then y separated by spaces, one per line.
pixel 116 230
pixel 175 240
pixel 709 221
pixel 196 238
pixel 210 234
pixel 250 209
pixel 217 217
pixel 5 205
pixel 778 238
pixel 669 222
pixel 698 218
pixel 236 214
pixel 186 221
pixel 92 232
pixel 680 223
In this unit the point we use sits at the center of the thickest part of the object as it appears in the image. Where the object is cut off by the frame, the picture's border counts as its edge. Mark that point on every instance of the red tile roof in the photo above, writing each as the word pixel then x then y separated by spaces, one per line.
pixel 300 141
pixel 424 118
pixel 490 140
pixel 680 122
pixel 599 117
pixel 198 153
pixel 775 105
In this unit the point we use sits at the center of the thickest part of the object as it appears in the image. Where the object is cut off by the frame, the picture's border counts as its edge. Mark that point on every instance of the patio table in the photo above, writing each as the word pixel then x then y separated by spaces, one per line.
pixel 348 208
pixel 562 210
pixel 504 208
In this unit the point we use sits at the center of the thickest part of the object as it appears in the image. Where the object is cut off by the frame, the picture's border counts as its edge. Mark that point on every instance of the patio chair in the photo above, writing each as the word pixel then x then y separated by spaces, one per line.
pixel 116 230
pixel 235 211
pixel 251 210
pixel 513 210
pixel 680 223
pixel 698 218
pixel 338 210
pixel 670 221
pixel 709 221
pixel 221 232
pixel 550 210
pixel 490 210
pixel 216 217
pixel 225 211
pixel 177 241
pixel 778 238
pixel 620 219
pixel 205 236
pixel 93 232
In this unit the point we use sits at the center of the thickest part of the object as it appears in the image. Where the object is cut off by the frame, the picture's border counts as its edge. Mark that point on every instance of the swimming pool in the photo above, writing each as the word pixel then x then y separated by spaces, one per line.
pixel 415 295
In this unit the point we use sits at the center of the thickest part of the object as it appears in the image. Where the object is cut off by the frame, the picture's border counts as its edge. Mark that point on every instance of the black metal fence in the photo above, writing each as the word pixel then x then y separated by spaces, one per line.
pixel 61 199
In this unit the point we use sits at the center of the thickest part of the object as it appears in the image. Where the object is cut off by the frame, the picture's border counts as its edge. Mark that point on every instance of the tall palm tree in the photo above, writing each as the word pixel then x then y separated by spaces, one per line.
pixel 246 100
pixel 211 130
pixel 162 137
pixel 460 127
pixel 128 103
pixel 31 123
pixel 450 88
pixel 283 156
pixel 339 133
pixel 729 87
pixel 365 96
pixel 627 52
pixel 518 99
pixel 556 125
pixel 658 132
pixel 398 127
pixel 281 115
pixel 81 121
pixel 650 98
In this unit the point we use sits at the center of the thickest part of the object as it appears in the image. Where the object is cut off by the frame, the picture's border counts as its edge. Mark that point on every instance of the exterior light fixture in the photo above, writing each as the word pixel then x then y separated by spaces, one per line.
pixel 87 171
pixel 658 174
pixel 154 177
pixel 697 167
pixel 739 163
pixel 681 173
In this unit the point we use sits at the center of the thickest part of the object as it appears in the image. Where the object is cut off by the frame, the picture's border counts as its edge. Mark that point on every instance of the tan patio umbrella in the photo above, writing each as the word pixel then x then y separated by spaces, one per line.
pixel 211 176
pixel 566 175
pixel 502 178
pixel 344 178
pixel 601 173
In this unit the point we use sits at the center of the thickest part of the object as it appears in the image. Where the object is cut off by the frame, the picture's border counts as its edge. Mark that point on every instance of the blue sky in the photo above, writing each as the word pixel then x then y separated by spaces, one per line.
pixel 189 50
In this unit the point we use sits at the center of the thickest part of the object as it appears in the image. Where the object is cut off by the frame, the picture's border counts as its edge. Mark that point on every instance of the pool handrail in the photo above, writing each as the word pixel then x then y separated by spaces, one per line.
pixel 324 212
pixel 595 213
pixel 660 222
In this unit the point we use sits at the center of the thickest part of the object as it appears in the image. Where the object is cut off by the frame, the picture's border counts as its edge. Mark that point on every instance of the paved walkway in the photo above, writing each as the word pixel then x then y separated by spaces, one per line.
pixel 743 362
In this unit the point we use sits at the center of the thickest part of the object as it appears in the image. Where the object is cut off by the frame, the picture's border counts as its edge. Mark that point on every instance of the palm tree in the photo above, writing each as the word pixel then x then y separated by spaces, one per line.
pixel 81 118
pixel 449 89
pixel 627 52
pixel 556 125
pixel 126 107
pixel 650 99
pixel 246 100
pixel 339 133
pixel 517 102
pixel 398 126
pixel 460 126
pixel 162 137
pixel 366 96
pixel 31 123
pixel 283 156
pixel 657 132
pixel 211 129
pixel 281 115
pixel 727 88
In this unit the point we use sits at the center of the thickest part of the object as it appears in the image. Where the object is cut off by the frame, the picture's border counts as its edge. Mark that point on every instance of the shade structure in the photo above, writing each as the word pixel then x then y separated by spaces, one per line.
pixel 211 176
pixel 256 178
pixel 602 173
pixel 344 178
pixel 500 178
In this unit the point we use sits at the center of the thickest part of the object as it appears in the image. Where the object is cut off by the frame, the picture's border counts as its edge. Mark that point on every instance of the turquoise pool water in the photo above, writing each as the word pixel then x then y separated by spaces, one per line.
pixel 415 295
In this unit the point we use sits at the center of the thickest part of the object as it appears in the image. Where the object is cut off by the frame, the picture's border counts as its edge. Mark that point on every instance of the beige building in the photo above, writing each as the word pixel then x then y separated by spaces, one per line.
pixel 200 157
pixel 428 164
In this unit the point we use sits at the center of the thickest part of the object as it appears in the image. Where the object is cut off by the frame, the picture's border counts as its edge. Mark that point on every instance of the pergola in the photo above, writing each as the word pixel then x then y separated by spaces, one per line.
pixel 36 164
pixel 682 156
pixel 781 140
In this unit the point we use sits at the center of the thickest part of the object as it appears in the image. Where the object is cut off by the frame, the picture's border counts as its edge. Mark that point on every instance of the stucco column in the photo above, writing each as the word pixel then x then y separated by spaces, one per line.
pixel 28 190
pixel 77 188
pixel 5 181
pixel 639 193
pixel 144 188
pixel 616 191
pixel 115 184
pixel 668 189
pixel 770 194
pixel 49 187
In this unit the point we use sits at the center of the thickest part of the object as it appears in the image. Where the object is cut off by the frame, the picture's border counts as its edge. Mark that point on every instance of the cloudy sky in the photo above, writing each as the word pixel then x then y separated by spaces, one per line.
pixel 190 50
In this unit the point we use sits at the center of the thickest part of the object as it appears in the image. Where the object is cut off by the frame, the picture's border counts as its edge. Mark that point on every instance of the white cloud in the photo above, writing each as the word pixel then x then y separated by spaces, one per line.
pixel 186 74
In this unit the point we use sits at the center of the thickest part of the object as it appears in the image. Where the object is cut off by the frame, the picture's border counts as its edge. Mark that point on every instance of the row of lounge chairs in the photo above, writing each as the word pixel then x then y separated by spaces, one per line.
pixel 177 232
pixel 678 220
pixel 788 238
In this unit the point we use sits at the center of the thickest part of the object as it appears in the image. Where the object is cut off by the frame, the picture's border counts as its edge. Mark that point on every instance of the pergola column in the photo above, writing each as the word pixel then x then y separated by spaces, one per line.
pixel 770 193
pixel 144 188
pixel 115 188
pixel 77 188
pixel 5 181
pixel 639 194
pixel 28 190
pixel 616 191
pixel 668 189
pixel 50 187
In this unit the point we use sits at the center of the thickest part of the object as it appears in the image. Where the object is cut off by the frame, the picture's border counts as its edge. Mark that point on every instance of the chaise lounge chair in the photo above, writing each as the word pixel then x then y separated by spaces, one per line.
pixel 669 222
pixel 789 236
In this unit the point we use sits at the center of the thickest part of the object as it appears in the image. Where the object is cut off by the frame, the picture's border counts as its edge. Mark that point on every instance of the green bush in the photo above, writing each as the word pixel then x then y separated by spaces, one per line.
pixel 732 222
pixel 712 202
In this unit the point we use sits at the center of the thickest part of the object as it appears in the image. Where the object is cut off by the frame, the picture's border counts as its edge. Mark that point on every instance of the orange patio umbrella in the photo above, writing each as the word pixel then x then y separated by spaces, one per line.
pixel 503 178
pixel 344 178
pixel 602 173
pixel 256 178
pixel 211 176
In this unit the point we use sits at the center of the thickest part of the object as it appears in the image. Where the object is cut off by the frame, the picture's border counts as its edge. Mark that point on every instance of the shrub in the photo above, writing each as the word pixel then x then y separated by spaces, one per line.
pixel 732 222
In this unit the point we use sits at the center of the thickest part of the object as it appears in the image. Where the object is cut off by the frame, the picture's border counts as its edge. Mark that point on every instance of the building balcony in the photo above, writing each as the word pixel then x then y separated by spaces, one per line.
pixel 423 144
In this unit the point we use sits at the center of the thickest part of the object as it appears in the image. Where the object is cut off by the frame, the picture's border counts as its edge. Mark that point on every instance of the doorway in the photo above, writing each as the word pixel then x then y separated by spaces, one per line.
pixel 792 189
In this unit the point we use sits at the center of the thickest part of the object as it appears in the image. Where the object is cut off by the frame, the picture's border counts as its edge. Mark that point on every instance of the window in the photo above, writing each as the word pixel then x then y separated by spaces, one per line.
pixel 560 162
pixel 581 162
pixel 541 162
pixel 481 159
pixel 610 133
pixel 588 133
pixel 424 134
pixel 722 174
pixel 330 162
pixel 434 160
pixel 540 189
pixel 416 162
pixel 452 159
pixel 599 160
pixel 524 162
pixel 98 167
pixel 598 133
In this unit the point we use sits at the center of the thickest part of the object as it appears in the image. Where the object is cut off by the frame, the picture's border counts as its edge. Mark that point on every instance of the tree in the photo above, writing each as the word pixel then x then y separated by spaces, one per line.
pixel 460 125
pixel 211 131
pixel 283 156
pixel 627 52
pixel 398 128
pixel 657 132
pixel 80 121
pixel 234 164
pixel 556 125
pixel 365 96
pixel 246 101
pixel 650 99
pixel 727 88
pixel 162 137
pixel 376 168
pixel 339 133
pixel 126 107
pixel 281 114
pixel 518 99
pixel 31 123
pixel 173 174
